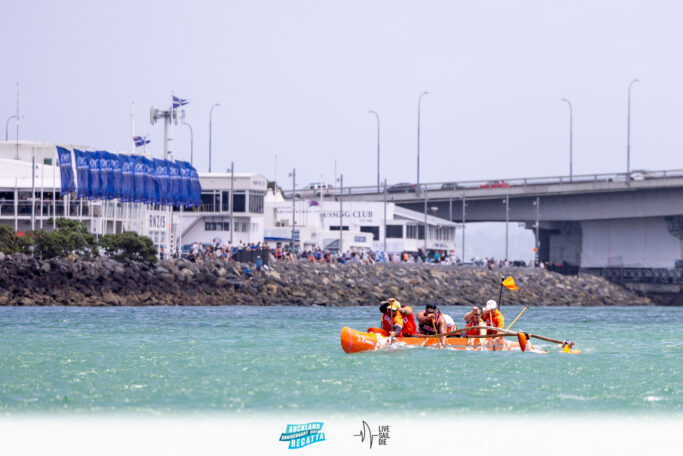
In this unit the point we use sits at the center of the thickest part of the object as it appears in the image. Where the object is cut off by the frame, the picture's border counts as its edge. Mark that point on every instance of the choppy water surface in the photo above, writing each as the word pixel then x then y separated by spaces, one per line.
pixel 243 359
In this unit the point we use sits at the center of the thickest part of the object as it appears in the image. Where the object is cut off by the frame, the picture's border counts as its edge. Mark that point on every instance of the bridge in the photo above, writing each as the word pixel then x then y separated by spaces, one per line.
pixel 591 221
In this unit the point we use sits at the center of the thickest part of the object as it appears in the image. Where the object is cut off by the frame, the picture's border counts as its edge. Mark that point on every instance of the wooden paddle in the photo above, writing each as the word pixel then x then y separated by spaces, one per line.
pixel 520 314
pixel 436 333
pixel 536 336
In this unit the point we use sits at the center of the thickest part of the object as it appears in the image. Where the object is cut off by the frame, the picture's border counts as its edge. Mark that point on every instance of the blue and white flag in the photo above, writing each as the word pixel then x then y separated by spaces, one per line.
pixel 150 182
pixel 66 170
pixel 94 184
pixel 176 184
pixel 81 173
pixel 185 183
pixel 127 181
pixel 196 188
pixel 140 141
pixel 139 178
pixel 116 161
pixel 178 102
pixel 161 174
pixel 106 175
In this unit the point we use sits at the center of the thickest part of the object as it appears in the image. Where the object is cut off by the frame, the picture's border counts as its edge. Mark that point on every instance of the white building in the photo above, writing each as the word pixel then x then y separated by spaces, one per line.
pixel 212 219
pixel 317 223
pixel 32 201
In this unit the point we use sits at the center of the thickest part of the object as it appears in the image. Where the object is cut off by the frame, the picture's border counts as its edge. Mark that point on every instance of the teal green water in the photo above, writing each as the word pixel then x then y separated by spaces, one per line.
pixel 256 359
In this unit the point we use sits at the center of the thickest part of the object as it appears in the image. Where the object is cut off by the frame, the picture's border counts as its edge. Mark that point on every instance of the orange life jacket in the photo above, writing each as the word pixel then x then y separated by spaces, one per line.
pixel 406 322
pixel 409 328
pixel 472 332
pixel 498 321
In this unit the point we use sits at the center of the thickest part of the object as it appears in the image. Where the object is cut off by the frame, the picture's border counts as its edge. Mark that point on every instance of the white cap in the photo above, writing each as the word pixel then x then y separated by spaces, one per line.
pixel 491 304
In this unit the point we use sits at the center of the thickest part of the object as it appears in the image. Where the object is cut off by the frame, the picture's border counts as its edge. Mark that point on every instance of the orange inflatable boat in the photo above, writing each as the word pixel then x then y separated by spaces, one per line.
pixel 353 341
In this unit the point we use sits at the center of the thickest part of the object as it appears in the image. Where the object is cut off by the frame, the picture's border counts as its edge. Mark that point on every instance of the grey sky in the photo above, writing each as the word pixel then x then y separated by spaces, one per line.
pixel 297 78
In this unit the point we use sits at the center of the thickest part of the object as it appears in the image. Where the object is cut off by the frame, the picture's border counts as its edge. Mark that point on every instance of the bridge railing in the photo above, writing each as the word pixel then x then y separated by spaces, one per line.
pixel 517 182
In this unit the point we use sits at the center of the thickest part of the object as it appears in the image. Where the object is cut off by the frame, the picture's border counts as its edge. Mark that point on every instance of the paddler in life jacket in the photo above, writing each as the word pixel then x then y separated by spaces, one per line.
pixel 492 316
pixel 474 318
pixel 397 320
pixel 431 321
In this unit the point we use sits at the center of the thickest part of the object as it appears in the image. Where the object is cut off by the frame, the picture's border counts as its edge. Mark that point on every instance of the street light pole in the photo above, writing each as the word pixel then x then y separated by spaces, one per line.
pixel 571 138
pixel 538 216
pixel 425 229
pixel 7 126
pixel 341 213
pixel 377 116
pixel 210 131
pixel 628 133
pixel 385 217
pixel 464 205
pixel 507 222
pixel 232 200
pixel 419 103
pixel 191 143
pixel 293 176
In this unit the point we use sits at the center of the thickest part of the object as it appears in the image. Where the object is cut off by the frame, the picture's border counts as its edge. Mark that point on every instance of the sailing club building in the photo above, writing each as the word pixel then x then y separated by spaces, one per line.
pixel 363 225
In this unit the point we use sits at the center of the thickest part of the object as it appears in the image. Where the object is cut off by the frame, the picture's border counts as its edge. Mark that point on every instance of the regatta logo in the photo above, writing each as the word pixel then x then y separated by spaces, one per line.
pixel 301 435
pixel 366 434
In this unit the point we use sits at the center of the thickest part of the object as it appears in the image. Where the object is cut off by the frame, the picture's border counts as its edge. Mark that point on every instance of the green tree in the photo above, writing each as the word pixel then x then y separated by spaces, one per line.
pixel 129 246
pixel 11 243
pixel 71 236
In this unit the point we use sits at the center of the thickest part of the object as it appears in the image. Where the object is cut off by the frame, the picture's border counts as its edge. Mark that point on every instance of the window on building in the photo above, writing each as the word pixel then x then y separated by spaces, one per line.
pixel 371 229
pixel 209 201
pixel 420 231
pixel 225 201
pixel 336 228
pixel 411 231
pixel 394 232
pixel 239 202
pixel 256 202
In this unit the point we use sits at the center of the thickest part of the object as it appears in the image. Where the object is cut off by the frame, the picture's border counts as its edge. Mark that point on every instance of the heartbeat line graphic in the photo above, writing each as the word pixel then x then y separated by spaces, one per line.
pixel 366 432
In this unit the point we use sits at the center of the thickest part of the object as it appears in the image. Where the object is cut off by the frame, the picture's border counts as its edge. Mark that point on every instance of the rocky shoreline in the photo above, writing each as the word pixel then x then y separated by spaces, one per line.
pixel 25 281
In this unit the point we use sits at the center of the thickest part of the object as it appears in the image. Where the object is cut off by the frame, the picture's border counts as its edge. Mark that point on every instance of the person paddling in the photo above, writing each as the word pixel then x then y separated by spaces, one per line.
pixel 397 320
pixel 432 322
pixel 492 316
pixel 474 318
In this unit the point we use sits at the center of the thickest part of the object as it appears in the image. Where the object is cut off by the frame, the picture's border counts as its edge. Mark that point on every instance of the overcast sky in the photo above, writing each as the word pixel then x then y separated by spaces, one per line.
pixel 297 78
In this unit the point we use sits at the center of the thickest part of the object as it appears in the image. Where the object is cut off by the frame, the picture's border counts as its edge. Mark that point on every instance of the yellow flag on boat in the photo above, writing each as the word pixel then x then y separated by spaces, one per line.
pixel 510 283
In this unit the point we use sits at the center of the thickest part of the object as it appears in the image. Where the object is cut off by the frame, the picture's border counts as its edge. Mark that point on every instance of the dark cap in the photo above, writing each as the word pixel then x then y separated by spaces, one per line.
pixel 431 307
pixel 383 306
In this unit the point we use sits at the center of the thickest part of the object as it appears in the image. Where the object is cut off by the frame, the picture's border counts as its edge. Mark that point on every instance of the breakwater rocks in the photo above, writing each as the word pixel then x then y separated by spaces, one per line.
pixel 103 282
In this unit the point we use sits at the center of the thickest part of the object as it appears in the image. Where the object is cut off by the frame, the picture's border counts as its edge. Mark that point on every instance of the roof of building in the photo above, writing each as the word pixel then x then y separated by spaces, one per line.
pixel 420 217
pixel 17 174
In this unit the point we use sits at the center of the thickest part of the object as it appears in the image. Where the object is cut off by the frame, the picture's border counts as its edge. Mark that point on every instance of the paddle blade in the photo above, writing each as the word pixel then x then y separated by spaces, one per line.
pixel 522 339
pixel 510 283
pixel 567 348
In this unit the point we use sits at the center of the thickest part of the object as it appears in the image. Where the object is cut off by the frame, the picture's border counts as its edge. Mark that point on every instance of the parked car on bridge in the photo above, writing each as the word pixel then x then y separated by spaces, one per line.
pixel 449 186
pixel 495 184
pixel 403 187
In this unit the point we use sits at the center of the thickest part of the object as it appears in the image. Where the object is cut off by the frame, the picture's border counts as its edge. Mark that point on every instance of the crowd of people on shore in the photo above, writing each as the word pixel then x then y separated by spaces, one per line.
pixel 217 250
pixel 399 321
